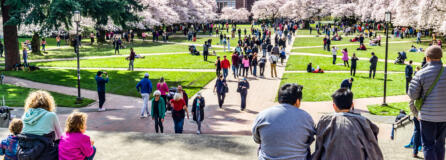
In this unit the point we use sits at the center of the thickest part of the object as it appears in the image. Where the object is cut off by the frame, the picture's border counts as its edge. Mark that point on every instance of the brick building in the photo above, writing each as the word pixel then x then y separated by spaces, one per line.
pixel 234 4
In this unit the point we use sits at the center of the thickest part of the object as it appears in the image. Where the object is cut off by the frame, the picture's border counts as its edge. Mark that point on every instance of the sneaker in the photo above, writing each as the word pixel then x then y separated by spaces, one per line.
pixel 101 109
pixel 420 148
pixel 408 146
pixel 141 117
pixel 198 132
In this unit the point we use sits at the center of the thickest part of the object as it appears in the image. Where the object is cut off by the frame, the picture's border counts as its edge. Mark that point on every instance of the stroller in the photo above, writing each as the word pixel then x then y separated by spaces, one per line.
pixel 193 50
pixel 401 58
pixel 5 115
pixel 172 91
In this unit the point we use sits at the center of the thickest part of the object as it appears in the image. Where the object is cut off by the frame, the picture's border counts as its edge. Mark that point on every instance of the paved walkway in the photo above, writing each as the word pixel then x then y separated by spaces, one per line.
pixel 101 57
pixel 350 44
pixel 340 57
pixel 136 69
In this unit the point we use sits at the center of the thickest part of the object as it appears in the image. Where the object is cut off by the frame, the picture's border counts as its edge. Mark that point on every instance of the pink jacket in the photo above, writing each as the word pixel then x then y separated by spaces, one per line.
pixel 75 146
pixel 245 62
pixel 162 87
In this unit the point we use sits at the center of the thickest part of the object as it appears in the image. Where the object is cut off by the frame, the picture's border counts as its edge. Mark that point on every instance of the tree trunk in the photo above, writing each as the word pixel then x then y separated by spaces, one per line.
pixel 101 38
pixel 12 56
pixel 35 43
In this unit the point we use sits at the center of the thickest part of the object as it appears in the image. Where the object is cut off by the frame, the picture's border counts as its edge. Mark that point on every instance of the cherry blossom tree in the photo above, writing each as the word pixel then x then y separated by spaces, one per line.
pixel 235 15
pixel 267 9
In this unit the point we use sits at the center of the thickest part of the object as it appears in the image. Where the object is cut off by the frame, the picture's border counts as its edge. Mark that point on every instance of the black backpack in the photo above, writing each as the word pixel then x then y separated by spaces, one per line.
pixel 35 147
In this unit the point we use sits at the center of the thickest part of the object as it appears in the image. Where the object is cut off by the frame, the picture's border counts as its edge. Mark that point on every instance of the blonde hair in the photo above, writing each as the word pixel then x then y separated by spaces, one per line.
pixel 15 126
pixel 177 97
pixel 40 99
pixel 76 121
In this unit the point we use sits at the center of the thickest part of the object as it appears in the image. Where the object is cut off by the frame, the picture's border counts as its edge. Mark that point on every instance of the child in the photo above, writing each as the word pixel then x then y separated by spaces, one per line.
pixel 75 145
pixel 10 144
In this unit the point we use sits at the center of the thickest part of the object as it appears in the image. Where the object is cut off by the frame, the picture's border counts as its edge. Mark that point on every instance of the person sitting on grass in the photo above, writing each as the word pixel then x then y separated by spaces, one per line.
pixel 346 131
pixel 310 68
pixel 75 144
pixel 356 39
pixel 374 42
pixel 336 37
pixel 362 47
pixel 413 49
pixel 347 83
pixel 8 147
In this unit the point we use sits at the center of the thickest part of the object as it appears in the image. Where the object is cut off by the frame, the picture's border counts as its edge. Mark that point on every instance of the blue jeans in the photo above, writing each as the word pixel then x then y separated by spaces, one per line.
pixel 225 72
pixel 92 156
pixel 178 125
pixel 433 135
pixel 416 136
pixel 234 70
pixel 254 71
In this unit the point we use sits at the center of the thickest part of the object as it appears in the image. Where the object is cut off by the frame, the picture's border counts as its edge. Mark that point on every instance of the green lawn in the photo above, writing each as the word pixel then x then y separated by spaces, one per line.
pixel 107 49
pixel 319 87
pixel 121 82
pixel 15 96
pixel 392 110
pixel 182 61
pixel 299 63
pixel 379 51
pixel 318 41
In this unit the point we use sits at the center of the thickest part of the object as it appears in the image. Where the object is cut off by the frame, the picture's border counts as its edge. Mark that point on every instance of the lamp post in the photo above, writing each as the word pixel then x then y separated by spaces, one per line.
pixel 388 20
pixel 77 19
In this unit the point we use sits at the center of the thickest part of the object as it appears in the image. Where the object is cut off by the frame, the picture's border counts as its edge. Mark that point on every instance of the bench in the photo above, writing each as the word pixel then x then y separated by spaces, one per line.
pixel 400 123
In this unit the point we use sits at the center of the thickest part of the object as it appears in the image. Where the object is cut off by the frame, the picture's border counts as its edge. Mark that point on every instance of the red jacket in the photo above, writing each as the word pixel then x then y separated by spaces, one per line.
pixel 225 64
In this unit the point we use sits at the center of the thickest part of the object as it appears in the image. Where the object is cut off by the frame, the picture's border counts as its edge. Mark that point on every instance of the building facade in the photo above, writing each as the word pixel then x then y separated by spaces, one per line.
pixel 234 4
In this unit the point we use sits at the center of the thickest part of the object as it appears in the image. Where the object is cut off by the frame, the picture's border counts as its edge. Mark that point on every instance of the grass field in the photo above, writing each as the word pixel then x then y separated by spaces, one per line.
pixel 392 110
pixel 15 96
pixel 121 82
pixel 318 41
pixel 181 61
pixel 319 87
pixel 299 63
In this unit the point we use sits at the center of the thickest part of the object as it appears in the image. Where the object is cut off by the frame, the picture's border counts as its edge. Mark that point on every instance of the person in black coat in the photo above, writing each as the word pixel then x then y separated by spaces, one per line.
pixel 347 83
pixel 198 111
pixel 373 63
pixel 220 89
pixel 354 60
pixel 409 74
pixel 243 87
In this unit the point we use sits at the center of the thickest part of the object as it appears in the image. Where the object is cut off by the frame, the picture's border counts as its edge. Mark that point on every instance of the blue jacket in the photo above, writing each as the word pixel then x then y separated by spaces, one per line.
pixel 101 83
pixel 409 71
pixel 346 84
pixel 145 86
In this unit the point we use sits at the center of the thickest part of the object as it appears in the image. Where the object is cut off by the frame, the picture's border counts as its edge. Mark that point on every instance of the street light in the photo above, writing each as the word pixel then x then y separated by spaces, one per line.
pixel 77 19
pixel 388 20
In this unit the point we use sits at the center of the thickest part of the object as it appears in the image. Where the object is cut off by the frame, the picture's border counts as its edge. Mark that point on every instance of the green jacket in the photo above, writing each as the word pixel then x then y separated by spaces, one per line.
pixel 161 107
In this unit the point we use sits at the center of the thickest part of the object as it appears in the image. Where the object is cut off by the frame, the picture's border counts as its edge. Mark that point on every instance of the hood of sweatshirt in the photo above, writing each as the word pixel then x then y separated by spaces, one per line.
pixel 33 115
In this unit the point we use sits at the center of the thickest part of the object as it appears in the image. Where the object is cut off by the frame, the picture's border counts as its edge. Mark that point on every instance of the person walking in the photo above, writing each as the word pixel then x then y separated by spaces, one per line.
pixel 245 63
pixel 205 51
pixel 273 60
pixel 277 137
pixel 218 66
pixel 373 63
pixel 198 111
pixel 100 82
pixel 262 63
pixel 409 73
pixel 117 43
pixel 345 57
pixel 334 51
pixel 418 37
pixel 225 64
pixel 254 63
pixel 235 64
pixel 178 112
pixel 25 57
pixel 43 44
pixel 163 88
pixel 328 43
pixel 131 59
pixel 428 85
pixel 353 66
pixel 145 88
pixel 158 111
pixel 243 86
pixel 58 40
pixel 220 88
